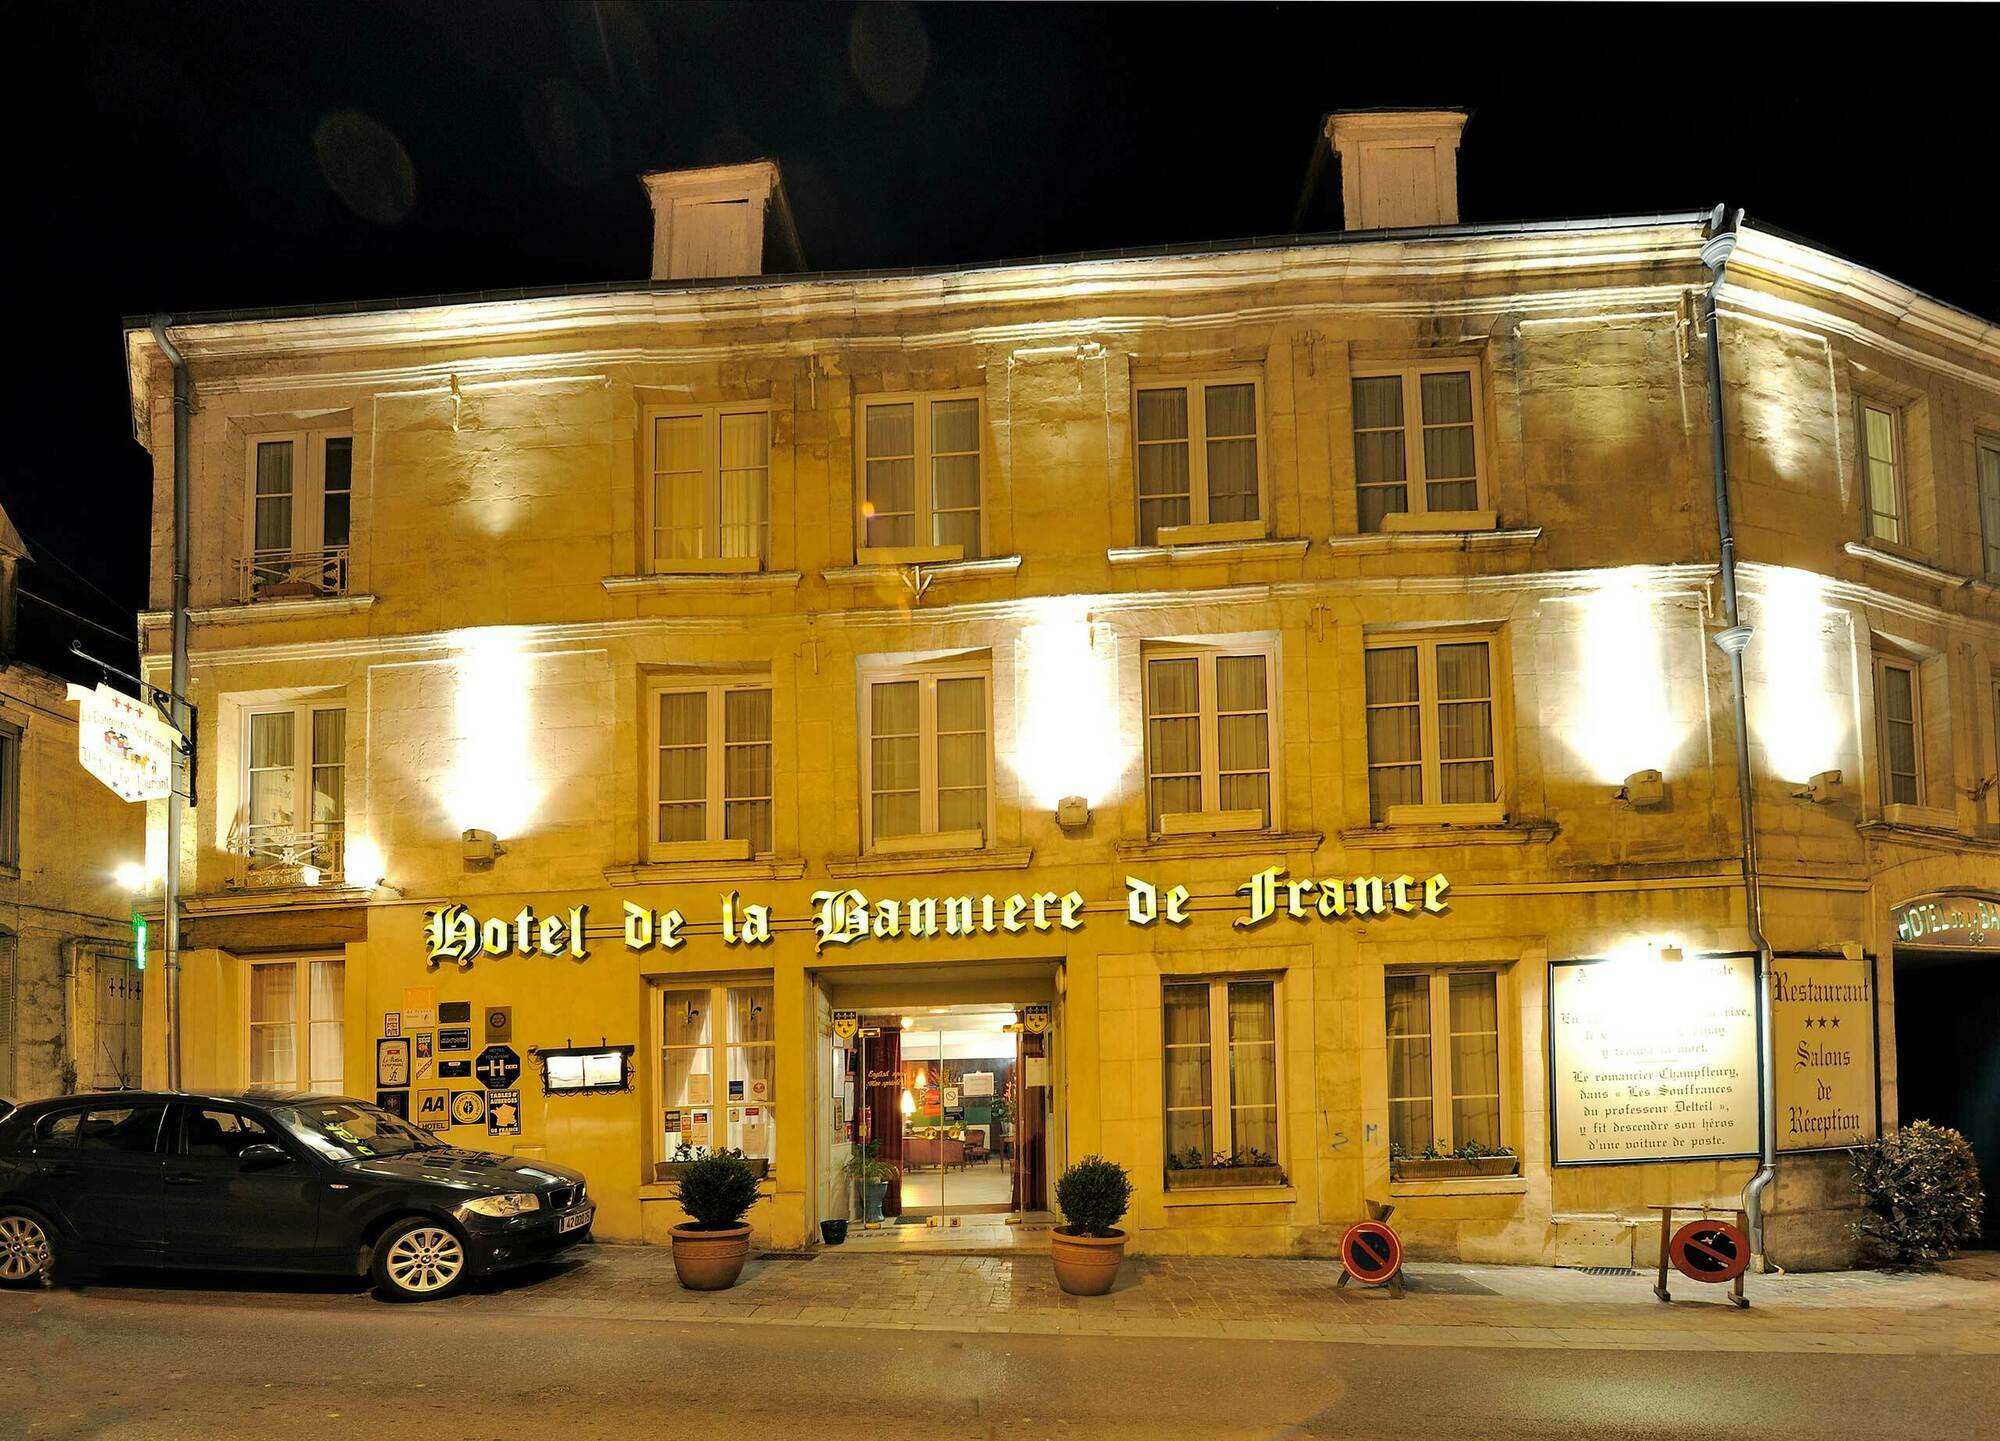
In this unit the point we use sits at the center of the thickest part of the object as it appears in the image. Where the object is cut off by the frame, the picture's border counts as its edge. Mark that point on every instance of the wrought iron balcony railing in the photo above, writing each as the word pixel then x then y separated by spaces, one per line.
pixel 293 574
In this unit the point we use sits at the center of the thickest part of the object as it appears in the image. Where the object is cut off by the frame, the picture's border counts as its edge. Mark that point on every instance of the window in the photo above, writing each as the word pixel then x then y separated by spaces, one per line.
pixel 1196 457
pixel 1416 444
pixel 1431 744
pixel 718 1082
pixel 298 1015
pixel 10 795
pixel 711 772
pixel 1882 464
pixel 920 482
pixel 1899 731
pixel 295 789
pixel 708 506
pixel 223 1134
pixel 1220 1044
pixel 301 514
pixel 120 1128
pixel 1208 739
pixel 1987 454
pixel 1444 1060
pixel 926 757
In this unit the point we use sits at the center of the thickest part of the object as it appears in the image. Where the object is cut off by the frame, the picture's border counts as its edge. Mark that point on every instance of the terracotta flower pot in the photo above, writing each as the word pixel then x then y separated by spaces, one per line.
pixel 709 1260
pixel 1086 1265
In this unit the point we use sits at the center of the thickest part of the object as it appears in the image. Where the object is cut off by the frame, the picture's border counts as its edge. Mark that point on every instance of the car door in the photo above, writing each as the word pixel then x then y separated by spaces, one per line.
pixel 221 1211
pixel 103 1175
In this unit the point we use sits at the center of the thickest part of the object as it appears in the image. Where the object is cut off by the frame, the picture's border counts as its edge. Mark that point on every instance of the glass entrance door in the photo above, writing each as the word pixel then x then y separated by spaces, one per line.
pixel 960 1152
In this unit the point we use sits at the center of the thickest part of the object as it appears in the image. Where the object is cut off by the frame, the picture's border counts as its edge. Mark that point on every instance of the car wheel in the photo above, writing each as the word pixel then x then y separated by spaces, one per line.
pixel 420 1260
pixel 27 1252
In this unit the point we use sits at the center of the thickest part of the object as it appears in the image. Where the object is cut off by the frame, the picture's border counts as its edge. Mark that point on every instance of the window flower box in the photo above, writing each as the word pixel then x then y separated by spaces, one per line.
pixel 1452 1168
pixel 1191 1178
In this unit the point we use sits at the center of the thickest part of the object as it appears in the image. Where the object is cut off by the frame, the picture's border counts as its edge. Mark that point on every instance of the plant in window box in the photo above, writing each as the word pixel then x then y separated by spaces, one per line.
pixel 685 1155
pixel 1189 1169
pixel 717 1191
pixel 1435 1163
pixel 1087 1248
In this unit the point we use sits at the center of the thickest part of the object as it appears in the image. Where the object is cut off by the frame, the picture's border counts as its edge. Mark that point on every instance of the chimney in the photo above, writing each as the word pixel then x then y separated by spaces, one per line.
pixel 1398 168
pixel 726 220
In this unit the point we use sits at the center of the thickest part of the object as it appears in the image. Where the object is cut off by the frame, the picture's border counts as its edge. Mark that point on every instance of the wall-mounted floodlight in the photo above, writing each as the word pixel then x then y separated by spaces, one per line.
pixel 1822 790
pixel 481 849
pixel 1643 789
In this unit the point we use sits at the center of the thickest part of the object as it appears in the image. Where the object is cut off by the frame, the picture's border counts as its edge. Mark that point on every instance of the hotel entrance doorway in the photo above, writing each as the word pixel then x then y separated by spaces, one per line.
pixel 955 1100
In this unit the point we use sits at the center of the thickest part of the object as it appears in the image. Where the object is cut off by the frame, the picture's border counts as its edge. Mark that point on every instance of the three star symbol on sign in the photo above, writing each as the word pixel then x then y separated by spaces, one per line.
pixel 1822 1022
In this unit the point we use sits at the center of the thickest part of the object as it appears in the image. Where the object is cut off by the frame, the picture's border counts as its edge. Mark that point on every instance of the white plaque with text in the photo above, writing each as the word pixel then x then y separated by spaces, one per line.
pixel 1653 1060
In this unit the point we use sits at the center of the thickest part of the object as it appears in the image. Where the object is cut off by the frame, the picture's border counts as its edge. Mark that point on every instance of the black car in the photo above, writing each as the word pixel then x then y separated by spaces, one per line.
pixel 269 1182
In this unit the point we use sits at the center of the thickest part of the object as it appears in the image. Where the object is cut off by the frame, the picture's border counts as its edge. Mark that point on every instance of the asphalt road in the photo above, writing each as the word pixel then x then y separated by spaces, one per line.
pixel 135 1364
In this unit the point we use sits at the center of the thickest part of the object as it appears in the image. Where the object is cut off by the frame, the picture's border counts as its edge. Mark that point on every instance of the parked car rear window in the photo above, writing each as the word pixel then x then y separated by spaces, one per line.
pixel 351 1131
pixel 120 1128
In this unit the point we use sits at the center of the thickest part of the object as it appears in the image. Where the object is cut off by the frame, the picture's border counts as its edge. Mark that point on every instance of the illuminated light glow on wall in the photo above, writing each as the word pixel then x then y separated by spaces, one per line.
pixel 362 863
pixel 1625 720
pixel 492 783
pixel 1794 716
pixel 1068 742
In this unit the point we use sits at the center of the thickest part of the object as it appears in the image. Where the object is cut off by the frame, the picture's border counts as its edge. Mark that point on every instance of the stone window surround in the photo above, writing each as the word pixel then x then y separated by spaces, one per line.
pixel 1199 530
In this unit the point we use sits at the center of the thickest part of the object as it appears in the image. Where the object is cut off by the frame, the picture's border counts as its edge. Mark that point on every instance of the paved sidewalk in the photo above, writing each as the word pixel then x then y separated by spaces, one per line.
pixel 1859 1312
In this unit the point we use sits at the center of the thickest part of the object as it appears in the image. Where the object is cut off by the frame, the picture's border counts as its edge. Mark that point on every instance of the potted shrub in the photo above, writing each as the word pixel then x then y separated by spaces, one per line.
pixel 874 1176
pixel 1921 1187
pixel 1435 1163
pixel 1087 1248
pixel 1189 1169
pixel 709 1250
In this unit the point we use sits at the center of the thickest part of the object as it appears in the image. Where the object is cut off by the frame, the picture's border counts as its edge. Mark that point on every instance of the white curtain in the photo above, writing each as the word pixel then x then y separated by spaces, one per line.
pixel 1229 415
pixel 274 1009
pixel 329 786
pixel 1450 469
pixel 1243 734
pixel 1465 723
pixel 955 474
pixel 1253 1068
pixel 1395 729
pixel 1885 499
pixel 1899 724
pixel 1161 461
pixel 274 497
pixel 1989 504
pixel 328 1012
pixel 1409 1032
pixel 271 779
pixel 751 1070
pixel 1475 1059
pixel 1173 736
pixel 746 768
pixel 1186 1048
pixel 683 753
pixel 890 447
pixel 746 483
pixel 961 753
pixel 1380 473
pixel 895 758
pixel 680 480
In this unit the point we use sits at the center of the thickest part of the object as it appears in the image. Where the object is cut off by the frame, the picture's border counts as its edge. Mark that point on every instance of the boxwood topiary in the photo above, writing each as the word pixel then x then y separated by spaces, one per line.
pixel 717 1190
pixel 1921 1187
pixel 1093 1195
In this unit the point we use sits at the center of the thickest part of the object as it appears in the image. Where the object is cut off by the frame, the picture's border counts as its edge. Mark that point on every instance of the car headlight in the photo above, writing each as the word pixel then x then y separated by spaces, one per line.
pixel 513 1203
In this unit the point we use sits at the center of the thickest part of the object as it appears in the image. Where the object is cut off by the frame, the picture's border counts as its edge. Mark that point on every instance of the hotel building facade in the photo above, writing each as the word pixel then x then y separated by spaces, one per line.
pixel 1250 711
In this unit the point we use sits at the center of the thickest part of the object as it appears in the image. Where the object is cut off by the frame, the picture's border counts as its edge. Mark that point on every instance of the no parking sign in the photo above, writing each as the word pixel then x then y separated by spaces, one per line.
pixel 1371 1253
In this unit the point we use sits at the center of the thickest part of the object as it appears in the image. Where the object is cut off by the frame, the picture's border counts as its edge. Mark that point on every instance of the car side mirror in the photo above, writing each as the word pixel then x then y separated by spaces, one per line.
pixel 263 1156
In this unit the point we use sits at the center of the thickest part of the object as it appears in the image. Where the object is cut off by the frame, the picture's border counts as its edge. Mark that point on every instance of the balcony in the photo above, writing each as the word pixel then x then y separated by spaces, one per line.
pixel 277 855
pixel 293 575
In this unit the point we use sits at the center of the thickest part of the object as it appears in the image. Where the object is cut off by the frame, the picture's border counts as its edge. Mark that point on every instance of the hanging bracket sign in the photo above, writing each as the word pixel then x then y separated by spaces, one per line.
pixel 125 743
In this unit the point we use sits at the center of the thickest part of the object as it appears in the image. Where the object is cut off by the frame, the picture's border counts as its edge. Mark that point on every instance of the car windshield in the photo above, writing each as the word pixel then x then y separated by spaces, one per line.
pixel 351 1131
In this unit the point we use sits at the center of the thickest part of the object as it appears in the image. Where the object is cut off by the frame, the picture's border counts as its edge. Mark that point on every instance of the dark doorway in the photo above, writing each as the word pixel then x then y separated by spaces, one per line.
pixel 1948 1056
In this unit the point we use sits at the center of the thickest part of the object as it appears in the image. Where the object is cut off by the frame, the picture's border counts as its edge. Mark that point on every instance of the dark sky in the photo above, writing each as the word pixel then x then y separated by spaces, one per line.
pixel 210 155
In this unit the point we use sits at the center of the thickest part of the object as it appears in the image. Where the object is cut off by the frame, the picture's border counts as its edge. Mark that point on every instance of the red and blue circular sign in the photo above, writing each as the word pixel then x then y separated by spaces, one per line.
pixel 1371 1252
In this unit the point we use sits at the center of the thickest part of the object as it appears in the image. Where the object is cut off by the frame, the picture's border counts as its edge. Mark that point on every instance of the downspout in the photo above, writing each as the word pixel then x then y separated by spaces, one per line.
pixel 1731 640
pixel 177 688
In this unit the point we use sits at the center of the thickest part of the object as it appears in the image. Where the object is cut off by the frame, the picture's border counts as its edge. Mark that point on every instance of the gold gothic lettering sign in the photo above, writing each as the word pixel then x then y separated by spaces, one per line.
pixel 849 917
pixel 1823 1037
pixel 1954 921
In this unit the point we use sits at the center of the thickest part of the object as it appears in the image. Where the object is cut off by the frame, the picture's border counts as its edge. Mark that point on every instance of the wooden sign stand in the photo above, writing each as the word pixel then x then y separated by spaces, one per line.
pixel 1379 1212
pixel 1736 1296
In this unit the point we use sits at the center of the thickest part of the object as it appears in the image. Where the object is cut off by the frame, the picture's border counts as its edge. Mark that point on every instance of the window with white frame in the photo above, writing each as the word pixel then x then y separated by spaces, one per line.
pixel 1432 746
pixel 301 514
pixel 1987 458
pixel 1443 1032
pixel 298 1024
pixel 1899 730
pixel 1417 443
pixel 294 788
pixel 920 475
pixel 1220 1053
pixel 718 1069
pixel 1884 485
pixel 1196 458
pixel 1210 737
pixel 10 794
pixel 927 757
pixel 711 768
pixel 708 504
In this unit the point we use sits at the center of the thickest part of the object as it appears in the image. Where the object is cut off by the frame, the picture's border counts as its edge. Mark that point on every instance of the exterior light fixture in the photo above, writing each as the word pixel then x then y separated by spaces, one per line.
pixel 1072 813
pixel 131 876
pixel 481 849
pixel 309 875
pixel 1733 640
pixel 1670 953
pixel 1822 790
pixel 1643 789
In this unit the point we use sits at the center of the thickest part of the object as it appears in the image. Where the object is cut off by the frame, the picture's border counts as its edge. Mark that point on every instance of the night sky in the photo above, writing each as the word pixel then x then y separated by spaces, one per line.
pixel 196 155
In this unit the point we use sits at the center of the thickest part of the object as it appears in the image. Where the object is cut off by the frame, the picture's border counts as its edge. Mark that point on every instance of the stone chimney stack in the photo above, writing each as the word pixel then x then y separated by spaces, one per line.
pixel 726 220
pixel 1398 168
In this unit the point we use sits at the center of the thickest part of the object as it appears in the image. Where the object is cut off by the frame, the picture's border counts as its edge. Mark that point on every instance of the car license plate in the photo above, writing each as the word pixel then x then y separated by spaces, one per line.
pixel 575 1221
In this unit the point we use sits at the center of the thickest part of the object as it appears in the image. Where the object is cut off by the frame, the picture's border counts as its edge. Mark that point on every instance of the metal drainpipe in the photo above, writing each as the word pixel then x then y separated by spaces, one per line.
pixel 171 902
pixel 1732 640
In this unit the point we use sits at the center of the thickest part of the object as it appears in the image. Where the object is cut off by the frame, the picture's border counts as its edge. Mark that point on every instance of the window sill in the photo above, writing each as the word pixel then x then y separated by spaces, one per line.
pixel 1461 1186
pixel 883 573
pixel 1213 553
pixel 1412 836
pixel 918 863
pixel 895 555
pixel 1490 814
pixel 246 899
pixel 1210 823
pixel 1239 843
pixel 720 582
pixel 1394 542
pixel 1231 532
pixel 1902 564
pixel 1432 522
pixel 668 873
pixel 256 612
pixel 1921 818
pixel 1230 1196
